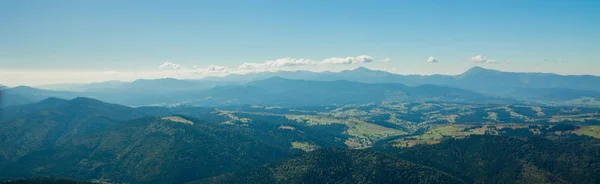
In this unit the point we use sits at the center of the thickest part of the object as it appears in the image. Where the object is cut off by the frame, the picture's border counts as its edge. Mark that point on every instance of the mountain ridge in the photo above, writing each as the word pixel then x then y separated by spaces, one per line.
pixel 297 92
pixel 492 83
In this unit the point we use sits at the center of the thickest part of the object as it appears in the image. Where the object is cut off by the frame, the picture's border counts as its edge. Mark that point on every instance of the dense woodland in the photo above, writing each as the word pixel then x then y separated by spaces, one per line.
pixel 306 127
pixel 477 159
pixel 89 140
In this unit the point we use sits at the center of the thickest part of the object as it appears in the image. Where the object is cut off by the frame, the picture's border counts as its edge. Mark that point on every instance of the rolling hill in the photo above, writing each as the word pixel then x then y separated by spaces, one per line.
pixel 338 165
pixel 87 139
pixel 477 159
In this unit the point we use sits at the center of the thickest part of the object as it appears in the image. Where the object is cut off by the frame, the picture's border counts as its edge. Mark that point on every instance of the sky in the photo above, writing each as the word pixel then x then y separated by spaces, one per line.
pixel 45 42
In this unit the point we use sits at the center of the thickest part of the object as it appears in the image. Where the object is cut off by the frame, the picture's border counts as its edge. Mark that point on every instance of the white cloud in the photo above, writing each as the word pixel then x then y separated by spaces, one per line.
pixel 170 66
pixel 279 63
pixel 292 62
pixel 173 70
pixel 285 62
pixel 349 60
pixel 431 59
pixel 387 60
pixel 216 68
pixel 250 66
pixel 482 59
pixel 202 71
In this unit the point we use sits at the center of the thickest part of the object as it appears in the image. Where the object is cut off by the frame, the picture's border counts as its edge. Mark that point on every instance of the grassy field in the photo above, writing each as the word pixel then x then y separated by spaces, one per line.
pixel 178 120
pixel 365 124
pixel 435 134
pixel 304 146
pixel 592 131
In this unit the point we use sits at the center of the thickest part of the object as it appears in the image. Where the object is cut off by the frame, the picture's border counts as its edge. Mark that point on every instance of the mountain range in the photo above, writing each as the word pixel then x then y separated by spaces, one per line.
pixel 476 78
pixel 303 88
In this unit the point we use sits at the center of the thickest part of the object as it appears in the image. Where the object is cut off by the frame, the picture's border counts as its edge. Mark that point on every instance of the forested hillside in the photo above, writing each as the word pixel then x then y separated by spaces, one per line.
pixel 477 159
pixel 389 142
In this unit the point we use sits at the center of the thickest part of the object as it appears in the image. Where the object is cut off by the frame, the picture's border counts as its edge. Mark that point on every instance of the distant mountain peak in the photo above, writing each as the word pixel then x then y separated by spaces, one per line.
pixel 362 69
pixel 270 80
pixel 24 87
pixel 478 70
pixel 52 100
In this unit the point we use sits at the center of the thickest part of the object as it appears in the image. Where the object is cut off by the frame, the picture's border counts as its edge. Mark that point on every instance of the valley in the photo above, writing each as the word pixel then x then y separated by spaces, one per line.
pixel 280 130
pixel 94 140
pixel 299 92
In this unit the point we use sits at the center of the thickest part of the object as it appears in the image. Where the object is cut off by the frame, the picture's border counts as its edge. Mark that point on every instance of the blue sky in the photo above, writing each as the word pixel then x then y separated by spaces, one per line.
pixel 85 41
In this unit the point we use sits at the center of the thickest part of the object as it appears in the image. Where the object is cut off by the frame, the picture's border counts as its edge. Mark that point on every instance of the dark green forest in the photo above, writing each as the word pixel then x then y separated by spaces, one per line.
pixel 477 159
pixel 89 140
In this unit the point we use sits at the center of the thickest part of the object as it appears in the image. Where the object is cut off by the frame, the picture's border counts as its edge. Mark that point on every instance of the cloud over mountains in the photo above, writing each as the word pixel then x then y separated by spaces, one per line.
pixel 482 59
pixel 290 62
pixel 283 62
pixel 349 60
pixel 170 66
pixel 272 65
